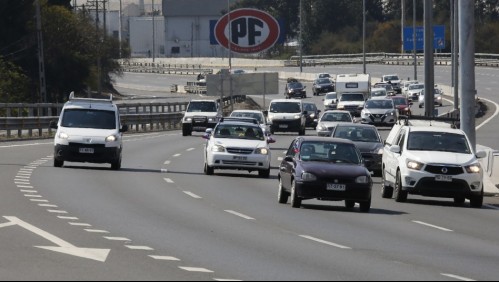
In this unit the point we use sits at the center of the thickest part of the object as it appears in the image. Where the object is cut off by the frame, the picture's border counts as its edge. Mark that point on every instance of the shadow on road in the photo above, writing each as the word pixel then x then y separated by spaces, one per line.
pixel 343 209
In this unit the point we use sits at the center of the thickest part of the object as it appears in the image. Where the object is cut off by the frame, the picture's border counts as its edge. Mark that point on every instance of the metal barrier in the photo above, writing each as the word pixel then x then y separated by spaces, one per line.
pixel 181 69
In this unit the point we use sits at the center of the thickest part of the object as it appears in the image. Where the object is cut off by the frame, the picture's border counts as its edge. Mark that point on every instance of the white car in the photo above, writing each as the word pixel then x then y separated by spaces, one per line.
pixel 394 80
pixel 379 112
pixel 330 119
pixel 89 130
pixel 431 161
pixel 379 93
pixel 200 115
pixel 438 98
pixel 331 101
pixel 259 116
pixel 287 116
pixel 414 90
pixel 237 146
pixel 352 102
pixel 406 84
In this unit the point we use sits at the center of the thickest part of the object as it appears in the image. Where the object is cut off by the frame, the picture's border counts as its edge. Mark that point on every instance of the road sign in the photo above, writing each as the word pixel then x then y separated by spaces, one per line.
pixel 243 84
pixel 439 38
pixel 251 31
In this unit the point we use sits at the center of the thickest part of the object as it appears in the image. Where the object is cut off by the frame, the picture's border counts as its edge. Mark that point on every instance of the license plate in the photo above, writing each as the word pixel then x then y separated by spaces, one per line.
pixel 443 178
pixel 378 120
pixel 86 151
pixel 283 126
pixel 337 187
pixel 239 158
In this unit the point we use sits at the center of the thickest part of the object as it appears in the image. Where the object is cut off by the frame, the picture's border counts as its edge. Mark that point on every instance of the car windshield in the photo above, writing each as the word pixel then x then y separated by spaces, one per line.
pixel 379 104
pixel 379 93
pixel 438 142
pixel 331 152
pixel 352 97
pixel 295 85
pixel 331 96
pixel 392 77
pixel 324 75
pixel 357 134
pixel 94 119
pixel 285 107
pixel 256 116
pixel 416 86
pixel 323 81
pixel 202 107
pixel 310 107
pixel 336 117
pixel 400 101
pixel 247 132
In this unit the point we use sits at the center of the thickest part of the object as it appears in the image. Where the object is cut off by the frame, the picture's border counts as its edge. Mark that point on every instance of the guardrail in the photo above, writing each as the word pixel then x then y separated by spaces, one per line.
pixel 181 69
pixel 138 116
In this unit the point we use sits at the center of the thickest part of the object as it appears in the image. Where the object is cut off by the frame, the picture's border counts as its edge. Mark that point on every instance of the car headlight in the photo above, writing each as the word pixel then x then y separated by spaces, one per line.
pixel 298 117
pixel 362 180
pixel 188 119
pixel 439 98
pixel 312 115
pixel 212 119
pixel 366 114
pixel 414 165
pixel 262 151
pixel 218 148
pixel 63 136
pixel 111 138
pixel 323 127
pixel 341 107
pixel 308 177
pixel 474 168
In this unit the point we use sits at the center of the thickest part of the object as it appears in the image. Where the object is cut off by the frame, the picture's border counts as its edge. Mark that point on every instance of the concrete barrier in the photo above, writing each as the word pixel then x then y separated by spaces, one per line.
pixel 490 166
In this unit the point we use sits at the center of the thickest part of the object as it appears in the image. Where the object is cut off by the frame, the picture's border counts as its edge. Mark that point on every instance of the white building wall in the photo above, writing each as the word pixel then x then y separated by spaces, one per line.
pixel 141 37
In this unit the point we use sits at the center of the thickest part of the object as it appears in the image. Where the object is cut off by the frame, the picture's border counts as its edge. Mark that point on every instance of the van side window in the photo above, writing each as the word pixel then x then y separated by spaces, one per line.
pixel 401 141
pixel 393 137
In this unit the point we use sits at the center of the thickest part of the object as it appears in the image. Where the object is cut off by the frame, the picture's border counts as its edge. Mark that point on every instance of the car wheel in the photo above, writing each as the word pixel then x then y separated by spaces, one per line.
pixel 186 130
pixel 477 201
pixel 302 132
pixel 264 173
pixel 58 163
pixel 386 191
pixel 349 204
pixel 208 170
pixel 400 195
pixel 295 200
pixel 116 165
pixel 365 207
pixel 282 196
pixel 459 201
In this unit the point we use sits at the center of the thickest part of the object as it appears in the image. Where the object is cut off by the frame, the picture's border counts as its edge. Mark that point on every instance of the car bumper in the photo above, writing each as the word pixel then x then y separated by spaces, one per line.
pixel 239 162
pixel 373 162
pixel 296 94
pixel 385 120
pixel 200 127
pixel 286 126
pixel 101 155
pixel 318 190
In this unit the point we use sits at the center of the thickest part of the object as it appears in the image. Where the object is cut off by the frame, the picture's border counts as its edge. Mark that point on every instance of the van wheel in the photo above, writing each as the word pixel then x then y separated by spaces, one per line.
pixel 386 191
pixel 116 165
pixel 58 163
pixel 400 195
pixel 186 130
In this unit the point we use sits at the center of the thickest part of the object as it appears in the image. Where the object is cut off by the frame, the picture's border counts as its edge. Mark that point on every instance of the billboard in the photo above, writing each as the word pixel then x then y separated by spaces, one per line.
pixel 243 84
pixel 439 38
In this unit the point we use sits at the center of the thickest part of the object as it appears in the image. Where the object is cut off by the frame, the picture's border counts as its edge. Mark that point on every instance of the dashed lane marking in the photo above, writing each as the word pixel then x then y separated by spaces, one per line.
pixel 39 200
pixel 96 231
pixel 177 155
pixel 118 239
pixel 325 242
pixel 432 226
pixel 47 206
pixel 167 258
pixel 192 195
pixel 195 269
pixel 139 248
pixel 240 215
pixel 80 224
pixel 67 217
pixel 57 211
pixel 457 277
pixel 168 180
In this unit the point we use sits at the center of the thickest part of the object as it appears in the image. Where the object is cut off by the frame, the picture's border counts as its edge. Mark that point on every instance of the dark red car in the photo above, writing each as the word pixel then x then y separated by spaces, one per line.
pixel 327 169
pixel 402 104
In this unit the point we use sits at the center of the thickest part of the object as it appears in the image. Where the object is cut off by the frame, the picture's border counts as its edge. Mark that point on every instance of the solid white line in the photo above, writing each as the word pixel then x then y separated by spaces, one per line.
pixel 165 258
pixel 325 242
pixel 195 269
pixel 492 117
pixel 433 226
pixel 168 180
pixel 118 239
pixel 192 195
pixel 67 217
pixel 240 215
pixel 57 211
pixel 139 248
pixel 96 231
pixel 79 224
pixel 457 277
pixel 228 280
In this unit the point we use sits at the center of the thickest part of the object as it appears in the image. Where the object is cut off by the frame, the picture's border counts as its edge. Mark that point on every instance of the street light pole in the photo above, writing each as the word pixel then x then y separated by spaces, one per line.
pixel 414 43
pixel 120 35
pixel 153 34
pixel 230 57
pixel 364 36
pixel 429 60
pixel 301 36
pixel 402 25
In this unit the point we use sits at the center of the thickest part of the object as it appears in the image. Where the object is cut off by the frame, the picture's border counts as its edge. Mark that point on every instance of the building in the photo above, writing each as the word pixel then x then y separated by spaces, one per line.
pixel 141 37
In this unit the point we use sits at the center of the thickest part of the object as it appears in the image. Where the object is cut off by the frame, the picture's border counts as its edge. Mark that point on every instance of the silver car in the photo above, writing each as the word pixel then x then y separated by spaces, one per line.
pixel 330 119
pixel 438 98
pixel 379 112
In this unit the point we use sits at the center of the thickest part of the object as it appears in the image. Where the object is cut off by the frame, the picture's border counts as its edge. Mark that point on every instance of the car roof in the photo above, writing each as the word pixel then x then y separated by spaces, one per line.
pixel 322 139
pixel 240 123
pixel 337 111
pixel 286 101
pixel 398 96
pixel 358 125
pixel 248 111
pixel 378 89
pixel 436 128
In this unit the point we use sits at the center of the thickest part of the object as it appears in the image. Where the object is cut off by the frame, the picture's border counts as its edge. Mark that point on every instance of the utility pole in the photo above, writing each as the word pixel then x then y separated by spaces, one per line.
pixel 153 34
pixel 467 68
pixel 364 36
pixel 455 50
pixel 414 38
pixel 41 60
pixel 301 36
pixel 230 58
pixel 429 60
pixel 402 24
pixel 120 34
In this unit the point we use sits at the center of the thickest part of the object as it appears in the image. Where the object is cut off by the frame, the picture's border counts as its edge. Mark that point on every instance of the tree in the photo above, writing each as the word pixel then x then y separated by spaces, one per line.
pixel 14 84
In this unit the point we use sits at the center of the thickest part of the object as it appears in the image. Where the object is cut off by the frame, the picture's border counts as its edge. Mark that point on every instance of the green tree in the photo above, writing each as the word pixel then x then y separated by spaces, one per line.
pixel 14 84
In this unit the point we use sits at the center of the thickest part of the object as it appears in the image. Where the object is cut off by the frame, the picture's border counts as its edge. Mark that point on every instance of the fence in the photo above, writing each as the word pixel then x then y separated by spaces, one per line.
pixel 181 69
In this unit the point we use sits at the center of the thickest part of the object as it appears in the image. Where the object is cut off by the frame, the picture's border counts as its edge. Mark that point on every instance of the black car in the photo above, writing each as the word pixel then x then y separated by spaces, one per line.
pixel 295 89
pixel 323 85
pixel 312 114
pixel 327 169
pixel 367 139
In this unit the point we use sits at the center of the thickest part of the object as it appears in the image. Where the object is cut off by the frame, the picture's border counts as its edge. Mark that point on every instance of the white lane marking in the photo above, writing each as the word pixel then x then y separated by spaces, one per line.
pixel 39 200
pixel 22 181
pixel 23 175
pixel 491 207
pixel 280 159
pixel 177 155
pixel 139 248
pixel 57 211
pixel 47 206
pixel 240 215
pixel 30 167
pixel 28 191
pixel 190 149
pixel 79 224
pixel 457 277
pixel 492 117
pixel 32 196
pixel 68 217
pixel 25 186
pixel 168 180
pixel 228 280
pixel 118 239
pixel 432 226
pixel 168 162
pixel 195 269
pixel 164 170
pixel 165 258
pixel 26 169
pixel 97 231
pixel 192 195
pixel 325 242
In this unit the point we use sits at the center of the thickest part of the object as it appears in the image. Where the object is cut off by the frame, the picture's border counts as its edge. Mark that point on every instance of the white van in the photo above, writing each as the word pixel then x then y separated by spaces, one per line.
pixel 89 131
pixel 287 116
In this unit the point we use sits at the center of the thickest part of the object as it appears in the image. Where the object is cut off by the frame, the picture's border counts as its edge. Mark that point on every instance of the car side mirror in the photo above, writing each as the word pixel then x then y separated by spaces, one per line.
pixel 124 128
pixel 481 155
pixel 209 131
pixel 206 136
pixel 395 149
pixel 266 113
pixel 271 140
pixel 53 125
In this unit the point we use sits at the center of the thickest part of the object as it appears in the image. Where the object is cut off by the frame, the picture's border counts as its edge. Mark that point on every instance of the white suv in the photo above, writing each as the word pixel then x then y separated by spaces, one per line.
pixel 200 115
pixel 237 146
pixel 89 130
pixel 433 160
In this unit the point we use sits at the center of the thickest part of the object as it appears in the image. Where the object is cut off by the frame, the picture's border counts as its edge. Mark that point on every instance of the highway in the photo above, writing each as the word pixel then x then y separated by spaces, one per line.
pixel 161 218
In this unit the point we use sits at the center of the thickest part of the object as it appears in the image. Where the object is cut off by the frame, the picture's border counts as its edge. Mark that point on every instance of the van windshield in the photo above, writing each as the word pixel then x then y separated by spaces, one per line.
pixel 352 98
pixel 285 107
pixel 202 107
pixel 95 119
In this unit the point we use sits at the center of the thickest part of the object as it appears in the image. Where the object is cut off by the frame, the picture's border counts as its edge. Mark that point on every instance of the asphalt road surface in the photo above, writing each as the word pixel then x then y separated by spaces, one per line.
pixel 161 218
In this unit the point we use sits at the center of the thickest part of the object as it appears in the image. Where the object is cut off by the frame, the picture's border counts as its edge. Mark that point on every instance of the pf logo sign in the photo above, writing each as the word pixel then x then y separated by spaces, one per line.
pixel 249 31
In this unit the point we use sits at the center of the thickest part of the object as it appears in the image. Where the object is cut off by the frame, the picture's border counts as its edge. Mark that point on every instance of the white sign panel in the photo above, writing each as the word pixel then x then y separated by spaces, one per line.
pixel 243 84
